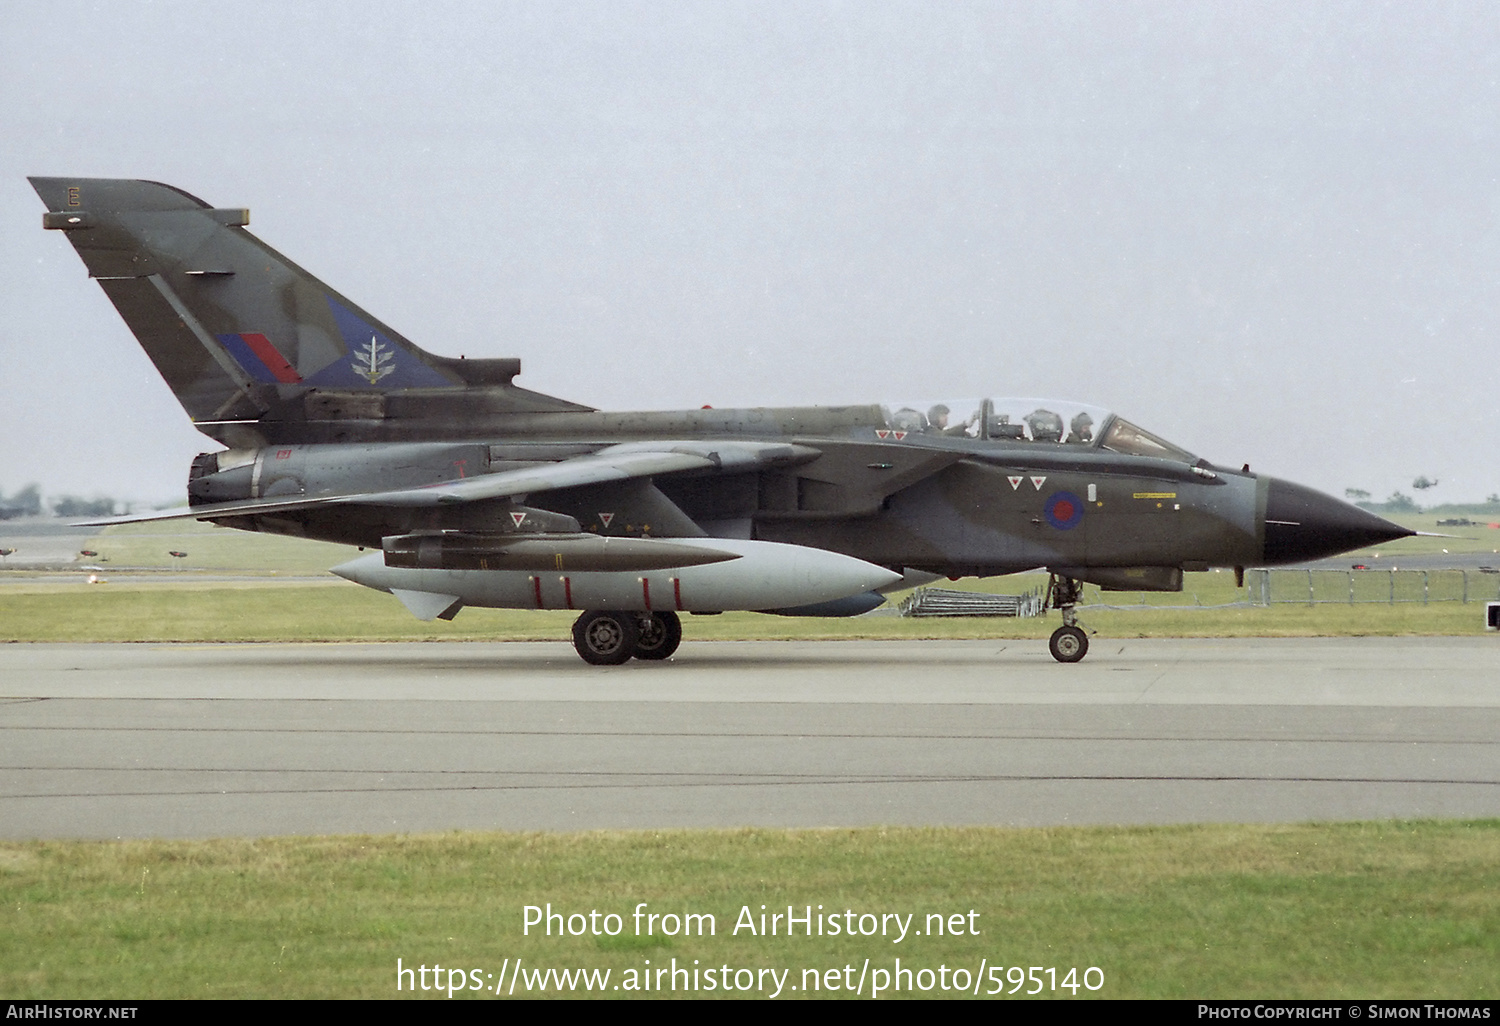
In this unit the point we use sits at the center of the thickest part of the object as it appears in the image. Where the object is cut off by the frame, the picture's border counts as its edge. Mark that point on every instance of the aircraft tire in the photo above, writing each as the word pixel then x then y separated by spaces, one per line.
pixel 661 633
pixel 1069 644
pixel 604 638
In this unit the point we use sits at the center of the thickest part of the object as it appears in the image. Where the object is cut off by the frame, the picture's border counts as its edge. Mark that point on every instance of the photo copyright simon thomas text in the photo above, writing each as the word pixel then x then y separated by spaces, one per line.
pixel 865 977
pixel 1458 1009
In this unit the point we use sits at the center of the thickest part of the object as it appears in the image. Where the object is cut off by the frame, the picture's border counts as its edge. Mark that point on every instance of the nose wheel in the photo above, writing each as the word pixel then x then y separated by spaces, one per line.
pixel 1069 643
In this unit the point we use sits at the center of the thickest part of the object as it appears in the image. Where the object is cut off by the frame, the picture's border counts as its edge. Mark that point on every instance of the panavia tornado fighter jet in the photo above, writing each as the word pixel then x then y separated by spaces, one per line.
pixel 473 491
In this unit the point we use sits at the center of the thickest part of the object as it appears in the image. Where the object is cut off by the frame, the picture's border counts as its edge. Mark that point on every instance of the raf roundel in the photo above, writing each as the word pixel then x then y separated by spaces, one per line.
pixel 1064 510
pixel 428 458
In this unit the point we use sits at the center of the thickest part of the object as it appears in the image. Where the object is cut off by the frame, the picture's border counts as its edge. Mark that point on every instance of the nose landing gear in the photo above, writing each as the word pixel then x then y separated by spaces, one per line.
pixel 1069 643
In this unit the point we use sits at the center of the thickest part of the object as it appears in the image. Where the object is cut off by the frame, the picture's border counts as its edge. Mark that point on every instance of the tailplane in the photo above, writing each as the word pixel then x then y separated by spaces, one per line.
pixel 257 350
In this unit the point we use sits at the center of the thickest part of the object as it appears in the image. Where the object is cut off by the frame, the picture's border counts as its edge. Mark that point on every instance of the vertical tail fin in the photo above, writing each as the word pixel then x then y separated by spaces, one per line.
pixel 250 343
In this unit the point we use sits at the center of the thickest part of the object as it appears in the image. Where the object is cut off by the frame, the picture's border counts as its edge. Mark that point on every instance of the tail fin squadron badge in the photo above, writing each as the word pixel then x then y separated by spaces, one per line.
pixel 263 357
pixel 374 361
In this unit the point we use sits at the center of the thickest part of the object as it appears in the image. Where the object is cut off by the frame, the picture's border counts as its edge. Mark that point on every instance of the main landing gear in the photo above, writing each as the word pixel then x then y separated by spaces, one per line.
pixel 661 633
pixel 610 638
pixel 1069 644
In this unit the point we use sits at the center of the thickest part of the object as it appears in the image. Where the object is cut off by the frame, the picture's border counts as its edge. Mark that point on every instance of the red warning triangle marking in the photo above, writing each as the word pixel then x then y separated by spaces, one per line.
pixel 605 518
pixel 518 517
pixel 899 435
pixel 1039 481
pixel 881 433
pixel 1015 482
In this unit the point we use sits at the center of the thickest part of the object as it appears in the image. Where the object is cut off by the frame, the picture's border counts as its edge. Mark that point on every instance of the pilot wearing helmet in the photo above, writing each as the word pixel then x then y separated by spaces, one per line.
pixel 908 420
pixel 939 419
pixel 1045 426
pixel 1081 430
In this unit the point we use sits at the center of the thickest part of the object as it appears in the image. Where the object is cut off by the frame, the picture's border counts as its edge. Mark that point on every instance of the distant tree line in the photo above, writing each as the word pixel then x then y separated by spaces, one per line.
pixel 1399 502
pixel 73 506
pixel 25 503
pixel 28 503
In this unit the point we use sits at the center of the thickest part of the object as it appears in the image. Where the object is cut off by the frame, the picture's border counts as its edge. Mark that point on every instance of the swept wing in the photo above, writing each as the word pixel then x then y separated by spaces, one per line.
pixel 630 460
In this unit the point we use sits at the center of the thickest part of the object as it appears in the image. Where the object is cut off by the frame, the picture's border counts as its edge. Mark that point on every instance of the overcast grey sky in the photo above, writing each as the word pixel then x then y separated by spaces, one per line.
pixel 1267 231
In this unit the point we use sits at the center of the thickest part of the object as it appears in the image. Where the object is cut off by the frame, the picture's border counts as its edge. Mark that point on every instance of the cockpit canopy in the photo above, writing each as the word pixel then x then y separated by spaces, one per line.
pixel 1032 422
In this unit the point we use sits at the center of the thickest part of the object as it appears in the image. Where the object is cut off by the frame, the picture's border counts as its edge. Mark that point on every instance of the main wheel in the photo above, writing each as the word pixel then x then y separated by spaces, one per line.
pixel 1069 644
pixel 606 639
pixel 661 633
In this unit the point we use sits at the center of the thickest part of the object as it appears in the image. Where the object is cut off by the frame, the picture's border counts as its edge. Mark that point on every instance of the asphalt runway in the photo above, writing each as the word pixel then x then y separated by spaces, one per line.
pixel 105 741
pixel 43 542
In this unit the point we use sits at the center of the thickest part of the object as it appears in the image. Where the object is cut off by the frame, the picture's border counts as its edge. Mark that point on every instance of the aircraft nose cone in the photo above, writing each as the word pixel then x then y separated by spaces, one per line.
pixel 1303 524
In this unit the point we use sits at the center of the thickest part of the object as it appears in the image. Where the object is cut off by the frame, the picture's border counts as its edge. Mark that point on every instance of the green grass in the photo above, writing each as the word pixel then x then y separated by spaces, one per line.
pixel 1488 511
pixel 163 608
pixel 1395 910
pixel 132 609
pixel 1480 538
pixel 179 607
pixel 1350 910
pixel 211 548
pixel 216 548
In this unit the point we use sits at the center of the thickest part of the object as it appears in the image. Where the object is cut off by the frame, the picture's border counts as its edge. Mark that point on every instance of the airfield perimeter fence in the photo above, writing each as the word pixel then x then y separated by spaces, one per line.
pixel 942 602
pixel 1262 588
pixel 1350 587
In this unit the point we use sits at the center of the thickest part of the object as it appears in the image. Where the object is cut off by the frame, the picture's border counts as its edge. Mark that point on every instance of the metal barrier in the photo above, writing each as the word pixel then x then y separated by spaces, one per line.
pixel 1351 587
pixel 945 602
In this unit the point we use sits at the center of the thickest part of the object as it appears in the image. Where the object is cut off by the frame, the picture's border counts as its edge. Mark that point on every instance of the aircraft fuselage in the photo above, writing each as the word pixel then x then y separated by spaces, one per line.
pixel 477 491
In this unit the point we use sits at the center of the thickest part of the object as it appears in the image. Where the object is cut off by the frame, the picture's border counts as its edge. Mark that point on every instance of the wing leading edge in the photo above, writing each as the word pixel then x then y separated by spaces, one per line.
pixel 628 461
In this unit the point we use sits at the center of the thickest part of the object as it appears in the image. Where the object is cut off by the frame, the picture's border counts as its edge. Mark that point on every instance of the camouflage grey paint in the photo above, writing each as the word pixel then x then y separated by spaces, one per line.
pixel 187 278
pixel 347 428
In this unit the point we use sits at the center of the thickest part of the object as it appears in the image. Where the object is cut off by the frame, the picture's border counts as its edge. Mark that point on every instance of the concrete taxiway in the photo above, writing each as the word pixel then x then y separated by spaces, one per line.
pixel 104 741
